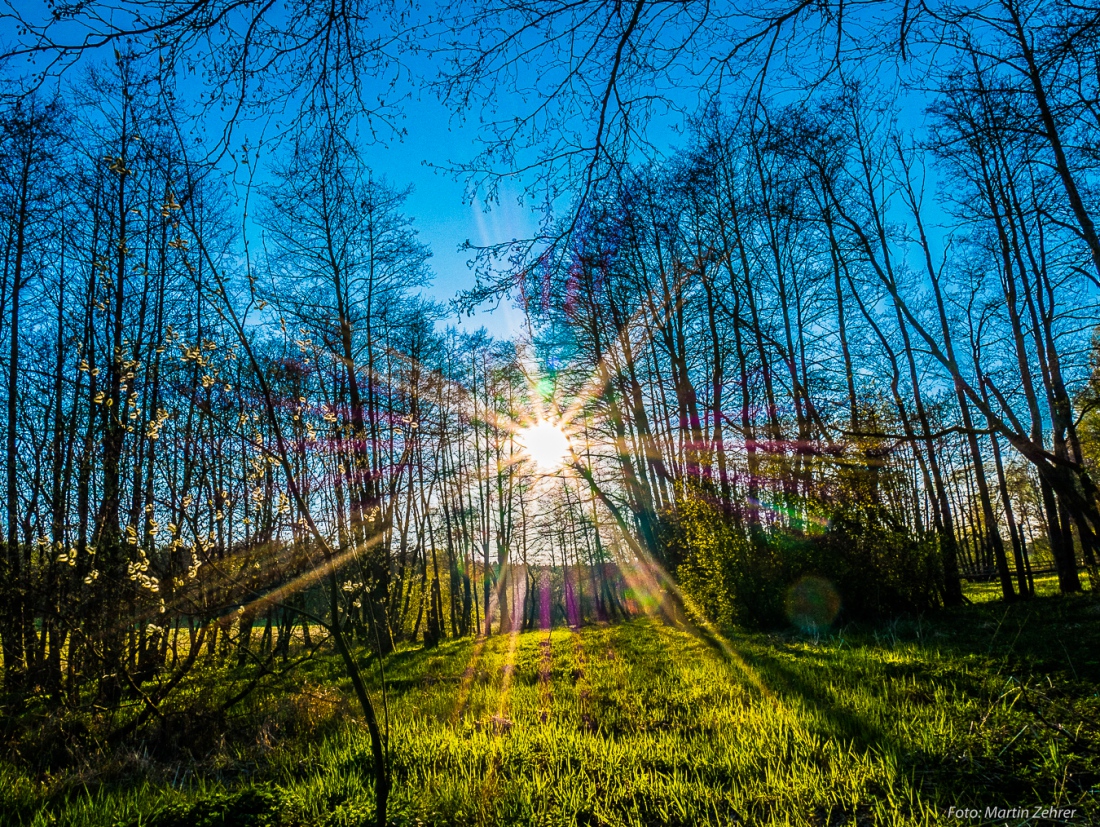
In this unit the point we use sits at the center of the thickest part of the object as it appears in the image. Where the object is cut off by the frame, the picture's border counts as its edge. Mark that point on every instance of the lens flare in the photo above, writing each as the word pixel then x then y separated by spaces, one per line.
pixel 812 604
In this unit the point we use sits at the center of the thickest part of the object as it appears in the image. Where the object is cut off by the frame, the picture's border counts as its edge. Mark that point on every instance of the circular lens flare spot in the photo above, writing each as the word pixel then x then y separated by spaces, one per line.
pixel 812 604
pixel 546 444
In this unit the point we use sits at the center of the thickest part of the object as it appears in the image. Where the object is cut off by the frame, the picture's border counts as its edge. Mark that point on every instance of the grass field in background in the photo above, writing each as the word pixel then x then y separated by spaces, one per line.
pixel 639 724
pixel 983 591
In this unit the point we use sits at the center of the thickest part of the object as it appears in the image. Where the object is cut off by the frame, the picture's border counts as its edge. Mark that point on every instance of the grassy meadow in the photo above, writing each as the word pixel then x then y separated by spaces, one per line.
pixel 631 724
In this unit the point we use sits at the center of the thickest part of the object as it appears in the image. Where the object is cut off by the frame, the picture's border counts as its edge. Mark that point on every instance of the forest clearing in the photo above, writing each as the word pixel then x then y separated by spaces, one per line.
pixel 637 723
pixel 549 412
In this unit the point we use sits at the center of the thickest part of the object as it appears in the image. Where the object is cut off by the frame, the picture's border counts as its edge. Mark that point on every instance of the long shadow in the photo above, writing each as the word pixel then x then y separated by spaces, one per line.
pixel 792 684
pixel 1041 636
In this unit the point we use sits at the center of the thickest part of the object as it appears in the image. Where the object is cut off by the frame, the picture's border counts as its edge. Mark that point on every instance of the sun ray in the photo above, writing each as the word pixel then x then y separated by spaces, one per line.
pixel 467 681
pixel 546 689
pixel 309 577
pixel 507 676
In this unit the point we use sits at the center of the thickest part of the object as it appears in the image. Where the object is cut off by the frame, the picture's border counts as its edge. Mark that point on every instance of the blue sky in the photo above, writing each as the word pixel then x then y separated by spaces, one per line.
pixel 442 213
pixel 434 136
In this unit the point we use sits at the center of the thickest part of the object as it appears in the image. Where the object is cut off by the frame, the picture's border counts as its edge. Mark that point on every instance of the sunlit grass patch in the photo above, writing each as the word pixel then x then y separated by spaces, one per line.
pixel 984 591
pixel 644 724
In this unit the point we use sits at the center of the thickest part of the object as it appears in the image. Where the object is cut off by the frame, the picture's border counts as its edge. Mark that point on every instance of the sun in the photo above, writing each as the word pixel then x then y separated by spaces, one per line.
pixel 546 444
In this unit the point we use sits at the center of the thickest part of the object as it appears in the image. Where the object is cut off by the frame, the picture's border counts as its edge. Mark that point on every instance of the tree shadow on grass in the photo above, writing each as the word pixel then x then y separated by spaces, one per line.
pixel 1019 681
pixel 1042 636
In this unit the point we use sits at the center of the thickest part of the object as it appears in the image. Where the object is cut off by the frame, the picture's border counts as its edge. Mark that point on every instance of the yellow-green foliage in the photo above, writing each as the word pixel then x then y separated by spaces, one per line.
pixel 734 580
pixel 876 567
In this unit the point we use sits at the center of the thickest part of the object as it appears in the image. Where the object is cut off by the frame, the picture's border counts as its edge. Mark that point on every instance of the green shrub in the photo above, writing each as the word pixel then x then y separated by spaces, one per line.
pixel 774 576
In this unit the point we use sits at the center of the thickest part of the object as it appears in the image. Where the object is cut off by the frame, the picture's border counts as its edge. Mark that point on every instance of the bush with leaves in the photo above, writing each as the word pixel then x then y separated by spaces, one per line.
pixel 749 577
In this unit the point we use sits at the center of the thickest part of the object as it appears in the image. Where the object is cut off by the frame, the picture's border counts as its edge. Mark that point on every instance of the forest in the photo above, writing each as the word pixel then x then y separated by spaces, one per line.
pixel 779 506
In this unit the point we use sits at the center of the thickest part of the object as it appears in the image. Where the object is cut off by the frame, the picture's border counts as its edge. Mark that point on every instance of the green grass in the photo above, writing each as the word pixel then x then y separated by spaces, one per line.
pixel 644 724
pixel 1046 585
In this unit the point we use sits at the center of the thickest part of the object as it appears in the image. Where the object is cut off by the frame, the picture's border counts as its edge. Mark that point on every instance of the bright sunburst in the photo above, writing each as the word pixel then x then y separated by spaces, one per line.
pixel 546 444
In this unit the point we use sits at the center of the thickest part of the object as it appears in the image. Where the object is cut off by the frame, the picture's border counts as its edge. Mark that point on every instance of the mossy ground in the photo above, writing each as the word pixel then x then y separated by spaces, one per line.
pixel 637 724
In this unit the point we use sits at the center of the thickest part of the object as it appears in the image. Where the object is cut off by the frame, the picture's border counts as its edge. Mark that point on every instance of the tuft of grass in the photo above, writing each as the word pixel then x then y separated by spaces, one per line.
pixel 644 724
